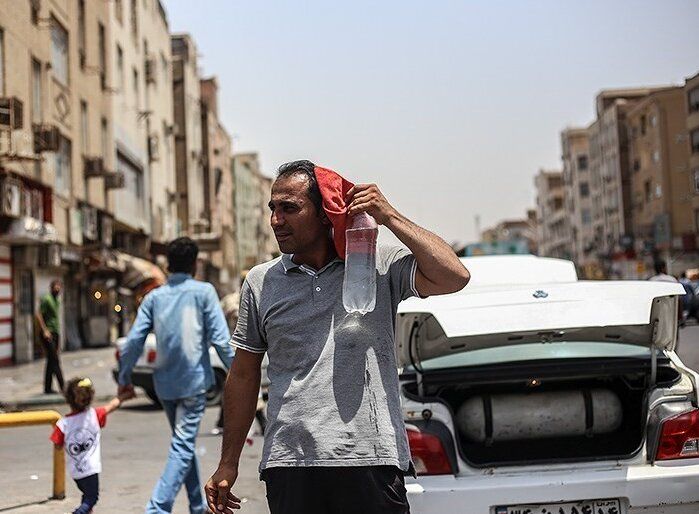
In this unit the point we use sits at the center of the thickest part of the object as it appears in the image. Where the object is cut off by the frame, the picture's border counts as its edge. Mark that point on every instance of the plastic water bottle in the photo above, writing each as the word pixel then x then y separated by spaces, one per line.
pixel 359 286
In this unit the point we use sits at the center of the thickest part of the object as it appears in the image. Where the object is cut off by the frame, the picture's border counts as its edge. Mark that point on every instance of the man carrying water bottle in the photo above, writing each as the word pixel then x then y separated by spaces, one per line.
pixel 335 439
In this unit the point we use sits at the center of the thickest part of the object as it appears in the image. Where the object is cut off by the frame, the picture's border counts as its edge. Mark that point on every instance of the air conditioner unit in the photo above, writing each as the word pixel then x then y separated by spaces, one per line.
pixel 89 215
pixel 150 69
pixel 46 138
pixel 11 198
pixel 11 112
pixel 94 167
pixel 115 180
pixel 153 148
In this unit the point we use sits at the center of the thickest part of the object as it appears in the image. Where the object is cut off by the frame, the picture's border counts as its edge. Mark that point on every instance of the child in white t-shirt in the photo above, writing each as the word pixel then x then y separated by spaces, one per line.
pixel 79 434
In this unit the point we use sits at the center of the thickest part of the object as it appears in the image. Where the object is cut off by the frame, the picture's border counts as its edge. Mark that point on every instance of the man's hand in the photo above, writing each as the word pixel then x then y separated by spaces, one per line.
pixel 126 392
pixel 218 490
pixel 368 198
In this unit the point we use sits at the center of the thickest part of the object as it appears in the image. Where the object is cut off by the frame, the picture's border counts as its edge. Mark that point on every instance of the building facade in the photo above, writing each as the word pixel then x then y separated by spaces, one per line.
pixel 553 230
pixel 663 225
pixel 219 249
pixel 691 91
pixel 578 198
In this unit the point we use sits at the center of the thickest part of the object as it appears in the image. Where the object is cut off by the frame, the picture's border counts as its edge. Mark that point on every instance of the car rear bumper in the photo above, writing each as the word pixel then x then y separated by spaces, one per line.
pixel 669 489
pixel 140 377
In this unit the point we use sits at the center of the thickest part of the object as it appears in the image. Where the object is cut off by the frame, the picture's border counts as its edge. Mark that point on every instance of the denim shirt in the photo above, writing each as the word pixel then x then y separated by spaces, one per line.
pixel 186 317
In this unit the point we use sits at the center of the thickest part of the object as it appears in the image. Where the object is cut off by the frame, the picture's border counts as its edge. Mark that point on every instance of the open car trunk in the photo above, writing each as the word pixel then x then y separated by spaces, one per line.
pixel 546 411
pixel 525 407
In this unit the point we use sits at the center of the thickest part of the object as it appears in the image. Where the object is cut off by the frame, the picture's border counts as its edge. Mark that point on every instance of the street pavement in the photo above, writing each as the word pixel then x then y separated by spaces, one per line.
pixel 134 449
pixel 135 444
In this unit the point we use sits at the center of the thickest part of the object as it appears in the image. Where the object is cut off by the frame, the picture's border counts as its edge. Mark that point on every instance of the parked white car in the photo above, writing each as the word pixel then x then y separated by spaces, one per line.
pixel 531 392
pixel 142 375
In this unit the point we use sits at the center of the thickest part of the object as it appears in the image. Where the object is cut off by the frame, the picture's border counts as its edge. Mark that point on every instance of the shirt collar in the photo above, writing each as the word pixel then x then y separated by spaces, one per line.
pixel 176 278
pixel 289 264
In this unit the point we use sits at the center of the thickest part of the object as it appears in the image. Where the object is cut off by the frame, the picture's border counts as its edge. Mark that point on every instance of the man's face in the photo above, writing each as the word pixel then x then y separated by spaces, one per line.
pixel 56 289
pixel 298 227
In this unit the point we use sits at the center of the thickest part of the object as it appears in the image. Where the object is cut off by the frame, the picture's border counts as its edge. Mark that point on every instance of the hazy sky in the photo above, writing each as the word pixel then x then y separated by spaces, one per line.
pixel 450 106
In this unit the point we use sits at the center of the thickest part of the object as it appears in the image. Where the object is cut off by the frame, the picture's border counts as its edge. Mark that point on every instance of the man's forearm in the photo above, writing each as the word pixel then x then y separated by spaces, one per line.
pixel 435 258
pixel 239 405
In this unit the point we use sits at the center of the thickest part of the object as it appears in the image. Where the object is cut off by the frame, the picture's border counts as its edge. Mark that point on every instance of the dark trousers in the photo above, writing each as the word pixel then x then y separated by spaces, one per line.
pixel 90 487
pixel 336 490
pixel 53 364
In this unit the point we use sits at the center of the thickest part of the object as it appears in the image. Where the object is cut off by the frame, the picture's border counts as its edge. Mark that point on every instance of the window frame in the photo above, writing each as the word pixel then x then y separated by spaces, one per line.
pixel 55 27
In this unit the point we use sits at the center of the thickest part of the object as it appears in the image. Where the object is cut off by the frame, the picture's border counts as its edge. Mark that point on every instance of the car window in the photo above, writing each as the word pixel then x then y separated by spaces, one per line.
pixel 536 351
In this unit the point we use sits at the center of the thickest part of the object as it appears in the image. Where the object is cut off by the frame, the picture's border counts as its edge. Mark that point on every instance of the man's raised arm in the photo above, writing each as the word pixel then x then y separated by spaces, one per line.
pixel 439 270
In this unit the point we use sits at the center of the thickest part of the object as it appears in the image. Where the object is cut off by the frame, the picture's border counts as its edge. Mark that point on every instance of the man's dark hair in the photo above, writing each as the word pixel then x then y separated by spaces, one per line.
pixel 182 255
pixel 660 267
pixel 305 169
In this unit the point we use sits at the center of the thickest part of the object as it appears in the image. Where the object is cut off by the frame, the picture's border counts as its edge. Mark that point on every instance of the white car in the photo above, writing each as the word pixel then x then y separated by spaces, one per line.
pixel 142 375
pixel 531 392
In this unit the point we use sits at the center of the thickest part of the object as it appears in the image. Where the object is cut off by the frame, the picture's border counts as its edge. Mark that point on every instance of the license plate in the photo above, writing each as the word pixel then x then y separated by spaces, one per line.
pixel 581 507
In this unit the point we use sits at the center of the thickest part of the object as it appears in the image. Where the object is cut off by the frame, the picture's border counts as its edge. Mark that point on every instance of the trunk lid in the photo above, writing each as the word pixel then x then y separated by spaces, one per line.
pixel 487 316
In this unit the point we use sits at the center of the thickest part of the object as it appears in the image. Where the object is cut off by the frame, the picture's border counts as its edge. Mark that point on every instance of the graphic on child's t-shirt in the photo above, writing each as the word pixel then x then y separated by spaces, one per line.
pixel 80 444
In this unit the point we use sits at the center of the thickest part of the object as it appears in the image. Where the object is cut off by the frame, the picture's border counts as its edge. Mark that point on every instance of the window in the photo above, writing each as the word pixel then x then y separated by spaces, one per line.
pixel 656 156
pixel 119 11
pixel 693 98
pixel 586 216
pixel 120 68
pixel 696 220
pixel 104 137
pixel 643 125
pixel 134 20
pixel 84 127
pixel 658 191
pixel 584 189
pixel 582 162
pixel 136 88
pixel 35 7
pixel 59 52
pixel 81 34
pixel 37 115
pixel 62 166
pixel 2 62
pixel 102 56
pixel 646 190
pixel 133 177
pixel 695 174
pixel 695 140
pixel 653 120
pixel 636 164
pixel 164 66
pixel 26 292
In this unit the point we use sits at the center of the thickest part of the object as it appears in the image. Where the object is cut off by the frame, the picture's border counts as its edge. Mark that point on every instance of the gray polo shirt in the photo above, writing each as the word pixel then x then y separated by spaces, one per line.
pixel 333 393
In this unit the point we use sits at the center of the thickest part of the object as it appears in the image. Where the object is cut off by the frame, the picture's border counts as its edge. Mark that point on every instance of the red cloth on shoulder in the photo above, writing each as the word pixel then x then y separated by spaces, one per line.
pixel 333 188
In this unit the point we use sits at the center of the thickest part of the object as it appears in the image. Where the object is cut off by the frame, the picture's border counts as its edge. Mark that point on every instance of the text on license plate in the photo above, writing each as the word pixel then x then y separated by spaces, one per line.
pixel 581 507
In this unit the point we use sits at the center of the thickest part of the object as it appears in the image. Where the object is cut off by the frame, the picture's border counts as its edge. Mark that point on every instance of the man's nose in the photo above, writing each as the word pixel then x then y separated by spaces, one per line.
pixel 276 220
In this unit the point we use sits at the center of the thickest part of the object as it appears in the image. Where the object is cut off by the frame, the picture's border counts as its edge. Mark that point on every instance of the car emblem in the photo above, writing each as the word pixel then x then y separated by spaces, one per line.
pixel 540 294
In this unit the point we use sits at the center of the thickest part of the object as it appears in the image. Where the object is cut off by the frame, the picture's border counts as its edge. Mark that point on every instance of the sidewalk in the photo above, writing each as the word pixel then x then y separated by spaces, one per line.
pixel 22 386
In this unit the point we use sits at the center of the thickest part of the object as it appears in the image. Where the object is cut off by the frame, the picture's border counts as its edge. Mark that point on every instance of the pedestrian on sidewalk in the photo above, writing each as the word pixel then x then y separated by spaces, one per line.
pixel 186 317
pixel 335 439
pixel 79 433
pixel 48 319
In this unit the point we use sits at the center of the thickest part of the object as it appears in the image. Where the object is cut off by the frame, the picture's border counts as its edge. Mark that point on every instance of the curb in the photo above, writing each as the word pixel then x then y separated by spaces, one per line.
pixel 42 401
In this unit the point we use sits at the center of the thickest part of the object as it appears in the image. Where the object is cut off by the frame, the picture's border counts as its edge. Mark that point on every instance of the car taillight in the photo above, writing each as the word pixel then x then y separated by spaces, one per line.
pixel 428 453
pixel 150 357
pixel 679 437
pixel 117 354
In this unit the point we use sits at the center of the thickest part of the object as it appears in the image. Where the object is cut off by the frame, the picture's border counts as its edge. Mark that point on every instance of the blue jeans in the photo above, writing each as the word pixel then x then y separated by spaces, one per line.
pixel 184 416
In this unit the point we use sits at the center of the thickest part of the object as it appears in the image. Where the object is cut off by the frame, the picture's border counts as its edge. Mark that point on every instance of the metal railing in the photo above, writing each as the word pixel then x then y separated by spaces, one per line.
pixel 42 417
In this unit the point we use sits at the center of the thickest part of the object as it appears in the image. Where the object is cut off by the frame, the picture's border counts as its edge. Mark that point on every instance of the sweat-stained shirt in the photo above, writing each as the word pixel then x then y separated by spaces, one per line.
pixel 334 391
